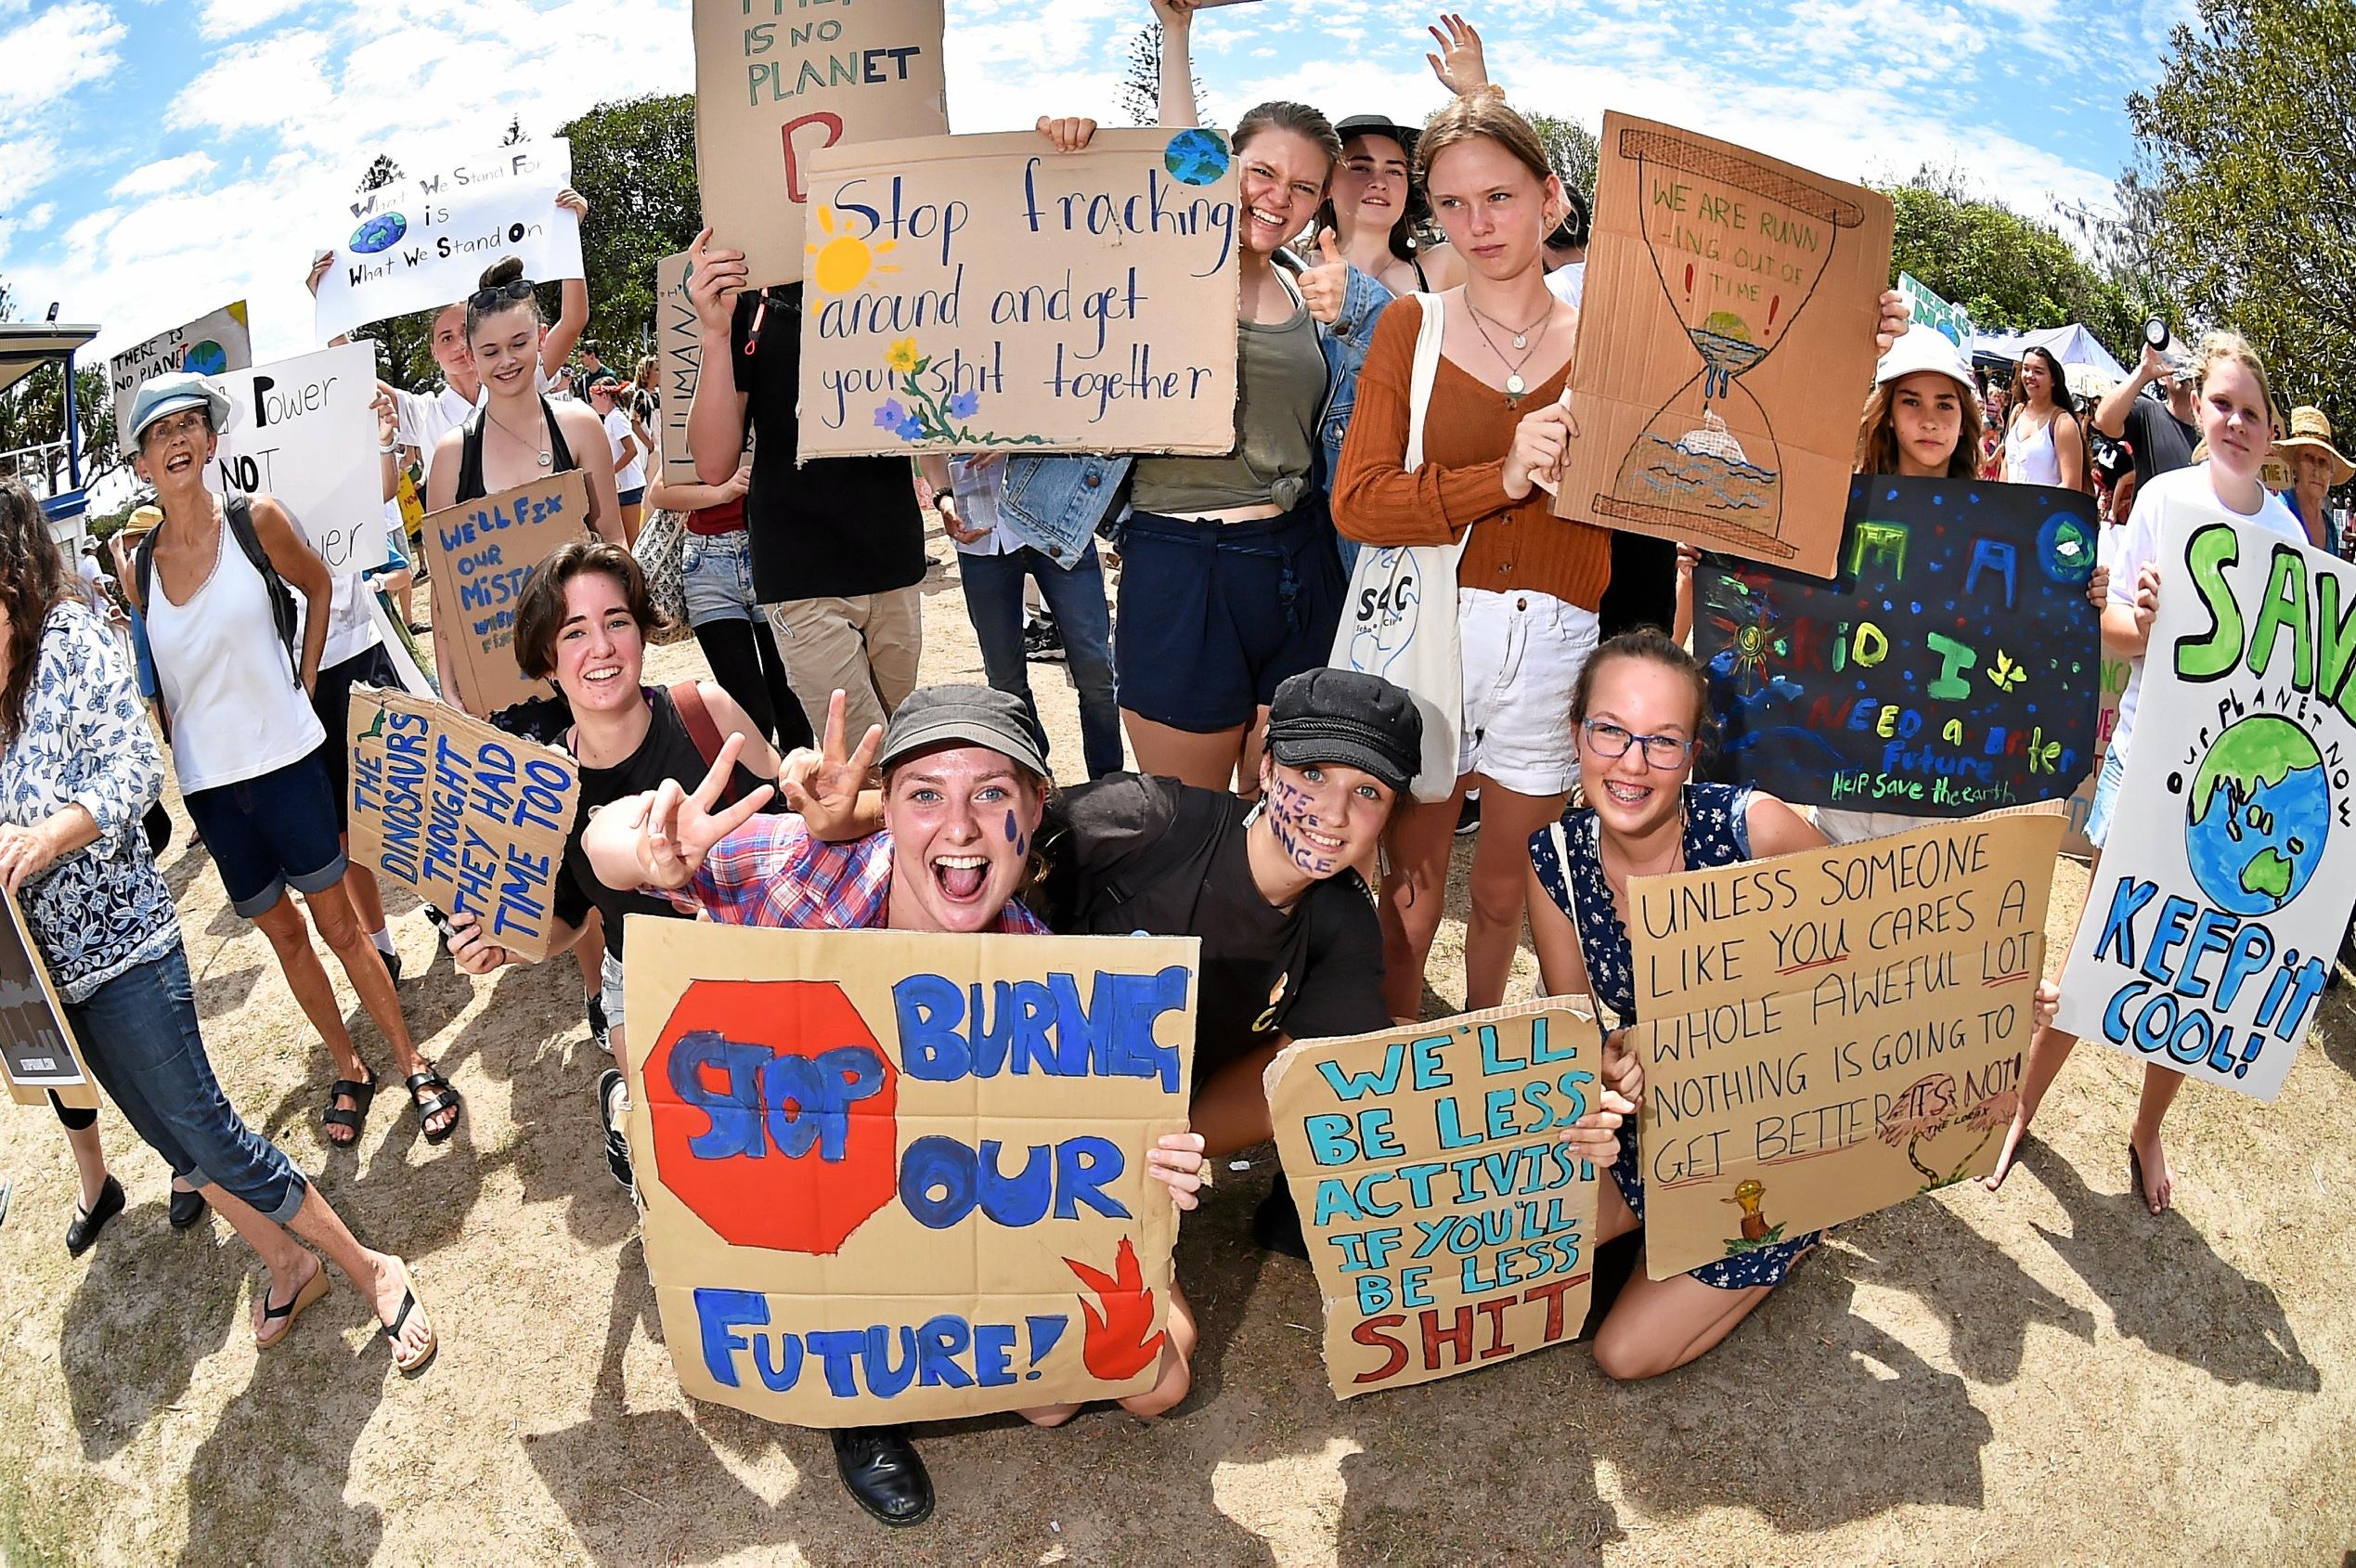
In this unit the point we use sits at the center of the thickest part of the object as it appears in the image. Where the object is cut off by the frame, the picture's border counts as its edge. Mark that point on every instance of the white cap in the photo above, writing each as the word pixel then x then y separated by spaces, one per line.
pixel 1923 348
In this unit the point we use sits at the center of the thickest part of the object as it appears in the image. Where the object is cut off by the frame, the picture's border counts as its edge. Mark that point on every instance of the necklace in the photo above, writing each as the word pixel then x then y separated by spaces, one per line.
pixel 1522 336
pixel 1514 386
pixel 546 459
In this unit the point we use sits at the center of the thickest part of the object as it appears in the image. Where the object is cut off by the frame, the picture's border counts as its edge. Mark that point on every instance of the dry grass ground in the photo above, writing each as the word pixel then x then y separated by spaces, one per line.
pixel 2047 1375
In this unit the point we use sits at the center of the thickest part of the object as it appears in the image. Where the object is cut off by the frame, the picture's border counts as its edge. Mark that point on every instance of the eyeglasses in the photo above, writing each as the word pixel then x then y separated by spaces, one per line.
pixel 488 299
pixel 1611 741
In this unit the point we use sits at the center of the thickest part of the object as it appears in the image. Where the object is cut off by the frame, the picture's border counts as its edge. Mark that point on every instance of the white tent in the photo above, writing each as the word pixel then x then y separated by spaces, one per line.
pixel 2085 362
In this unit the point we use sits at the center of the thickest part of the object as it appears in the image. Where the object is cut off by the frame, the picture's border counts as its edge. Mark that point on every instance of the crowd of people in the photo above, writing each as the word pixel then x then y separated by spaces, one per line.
pixel 1408 301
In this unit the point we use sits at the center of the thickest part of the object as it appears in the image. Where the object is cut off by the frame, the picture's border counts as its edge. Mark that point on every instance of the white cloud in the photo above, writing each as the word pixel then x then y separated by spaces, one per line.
pixel 227 19
pixel 26 163
pixel 56 52
pixel 165 175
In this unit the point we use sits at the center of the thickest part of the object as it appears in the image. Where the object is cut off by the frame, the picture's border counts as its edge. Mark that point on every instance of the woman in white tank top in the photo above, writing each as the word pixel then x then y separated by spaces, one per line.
pixel 2043 444
pixel 246 742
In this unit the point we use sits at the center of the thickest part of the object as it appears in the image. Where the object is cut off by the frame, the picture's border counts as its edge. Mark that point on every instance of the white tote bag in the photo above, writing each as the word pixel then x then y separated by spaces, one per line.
pixel 1400 619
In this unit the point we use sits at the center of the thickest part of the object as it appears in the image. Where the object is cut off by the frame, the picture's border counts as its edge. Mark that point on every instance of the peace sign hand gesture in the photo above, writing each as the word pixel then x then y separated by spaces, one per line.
pixel 680 829
pixel 823 787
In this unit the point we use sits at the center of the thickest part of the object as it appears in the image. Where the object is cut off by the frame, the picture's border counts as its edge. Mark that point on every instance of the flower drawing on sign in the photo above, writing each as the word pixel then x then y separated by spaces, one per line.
pixel 930 418
pixel 1748 1194
pixel 1751 626
pixel 844 261
pixel 2004 675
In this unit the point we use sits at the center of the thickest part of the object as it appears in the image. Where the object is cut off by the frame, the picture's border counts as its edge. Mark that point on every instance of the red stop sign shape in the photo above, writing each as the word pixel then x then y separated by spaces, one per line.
pixel 774 1112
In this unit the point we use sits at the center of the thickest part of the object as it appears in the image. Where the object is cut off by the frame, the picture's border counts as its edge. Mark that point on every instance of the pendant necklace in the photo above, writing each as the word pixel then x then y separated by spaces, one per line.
pixel 546 457
pixel 1514 386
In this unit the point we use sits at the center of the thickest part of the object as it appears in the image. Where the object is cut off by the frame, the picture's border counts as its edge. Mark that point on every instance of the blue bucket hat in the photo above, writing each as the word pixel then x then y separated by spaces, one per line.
pixel 170 393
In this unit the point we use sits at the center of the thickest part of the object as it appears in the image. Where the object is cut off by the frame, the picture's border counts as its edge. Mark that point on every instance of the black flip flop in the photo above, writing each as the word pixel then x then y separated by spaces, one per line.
pixel 443 1098
pixel 362 1095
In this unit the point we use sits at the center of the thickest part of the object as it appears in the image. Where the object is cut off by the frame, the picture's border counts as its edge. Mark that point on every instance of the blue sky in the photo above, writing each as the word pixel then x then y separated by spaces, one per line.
pixel 158 158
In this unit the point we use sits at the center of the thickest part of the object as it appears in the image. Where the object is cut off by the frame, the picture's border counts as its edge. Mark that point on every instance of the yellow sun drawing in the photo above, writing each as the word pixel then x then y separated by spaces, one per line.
pixel 842 262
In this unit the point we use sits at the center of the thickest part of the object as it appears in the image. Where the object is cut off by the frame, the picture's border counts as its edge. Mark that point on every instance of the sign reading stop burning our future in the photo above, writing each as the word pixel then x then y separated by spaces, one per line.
pixel 1953 666
pixel 981 292
pixel 469 818
pixel 916 1188
pixel 778 80
pixel 1831 1032
pixel 479 554
pixel 1450 1223
pixel 303 430
pixel 2218 907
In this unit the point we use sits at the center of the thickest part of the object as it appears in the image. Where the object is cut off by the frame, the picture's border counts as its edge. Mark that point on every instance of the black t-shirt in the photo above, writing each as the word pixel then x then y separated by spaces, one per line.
pixel 2161 440
pixel 668 752
pixel 835 528
pixel 1130 854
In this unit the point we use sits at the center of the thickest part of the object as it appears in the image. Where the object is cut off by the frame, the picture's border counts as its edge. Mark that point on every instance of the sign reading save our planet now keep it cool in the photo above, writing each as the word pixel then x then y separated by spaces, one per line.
pixel 976 292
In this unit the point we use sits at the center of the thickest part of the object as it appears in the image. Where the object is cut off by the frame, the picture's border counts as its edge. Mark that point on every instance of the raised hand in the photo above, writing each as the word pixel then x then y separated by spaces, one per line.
pixel 1327 285
pixel 1461 64
pixel 1897 317
pixel 319 264
pixel 714 276
pixel 573 201
pixel 823 787
pixel 680 828
pixel 1068 133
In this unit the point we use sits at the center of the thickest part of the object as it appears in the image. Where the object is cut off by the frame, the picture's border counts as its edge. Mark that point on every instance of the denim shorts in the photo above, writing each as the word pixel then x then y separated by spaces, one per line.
pixel 631 497
pixel 1215 615
pixel 272 833
pixel 717 571
pixel 2106 783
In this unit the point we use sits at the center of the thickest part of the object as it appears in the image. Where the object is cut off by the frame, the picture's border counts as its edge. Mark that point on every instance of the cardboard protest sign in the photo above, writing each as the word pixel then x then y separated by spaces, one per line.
pixel 2223 892
pixel 470 819
pixel 975 291
pixel 917 1187
pixel 770 93
pixel 1831 1032
pixel 1950 321
pixel 1726 344
pixel 217 341
pixel 1951 667
pixel 479 552
pixel 36 1049
pixel 422 241
pixel 2080 805
pixel 303 430
pixel 678 353
pixel 1449 1221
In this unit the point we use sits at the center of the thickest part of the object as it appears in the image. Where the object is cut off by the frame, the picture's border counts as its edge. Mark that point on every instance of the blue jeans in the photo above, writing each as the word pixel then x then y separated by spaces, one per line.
pixel 1076 597
pixel 139 1033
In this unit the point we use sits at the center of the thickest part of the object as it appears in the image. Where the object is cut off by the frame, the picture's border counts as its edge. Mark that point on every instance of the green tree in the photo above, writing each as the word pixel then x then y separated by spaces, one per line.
pixel 33 415
pixel 2008 270
pixel 634 160
pixel 2247 151
pixel 1141 90
pixel 1572 148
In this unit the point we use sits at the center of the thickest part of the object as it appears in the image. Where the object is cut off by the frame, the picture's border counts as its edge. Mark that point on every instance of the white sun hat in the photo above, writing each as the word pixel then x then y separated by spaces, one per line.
pixel 1923 348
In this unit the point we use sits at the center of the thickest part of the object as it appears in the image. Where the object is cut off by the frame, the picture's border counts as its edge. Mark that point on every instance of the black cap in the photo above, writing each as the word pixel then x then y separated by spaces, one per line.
pixel 938 716
pixel 1346 716
pixel 1380 125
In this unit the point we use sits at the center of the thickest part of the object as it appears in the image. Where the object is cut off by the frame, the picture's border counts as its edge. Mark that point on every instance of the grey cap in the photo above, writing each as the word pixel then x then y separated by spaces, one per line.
pixel 170 393
pixel 1348 716
pixel 937 716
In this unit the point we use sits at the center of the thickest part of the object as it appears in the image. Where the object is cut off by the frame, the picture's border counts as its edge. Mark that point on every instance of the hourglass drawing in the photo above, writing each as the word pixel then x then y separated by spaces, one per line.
pixel 1738 247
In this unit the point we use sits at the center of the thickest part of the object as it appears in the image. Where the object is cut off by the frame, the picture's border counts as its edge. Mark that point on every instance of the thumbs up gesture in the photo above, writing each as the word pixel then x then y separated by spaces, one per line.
pixel 1325 286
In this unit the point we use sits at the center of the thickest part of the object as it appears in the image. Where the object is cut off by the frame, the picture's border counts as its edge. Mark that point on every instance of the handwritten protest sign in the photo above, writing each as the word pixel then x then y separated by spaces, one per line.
pixel 1952 666
pixel 976 291
pixel 2224 890
pixel 777 80
pixel 304 431
pixel 1449 1221
pixel 36 1049
pixel 422 241
pixel 678 351
pixel 916 1188
pixel 1831 1032
pixel 2080 806
pixel 469 818
pixel 1729 297
pixel 479 552
pixel 1950 321
pixel 215 342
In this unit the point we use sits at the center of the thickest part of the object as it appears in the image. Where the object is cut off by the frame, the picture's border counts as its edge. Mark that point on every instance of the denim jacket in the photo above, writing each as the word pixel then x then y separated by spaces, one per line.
pixel 1055 503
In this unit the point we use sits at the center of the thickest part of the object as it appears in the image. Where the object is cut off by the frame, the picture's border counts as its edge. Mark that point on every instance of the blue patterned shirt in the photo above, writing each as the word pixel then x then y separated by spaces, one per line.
pixel 86 742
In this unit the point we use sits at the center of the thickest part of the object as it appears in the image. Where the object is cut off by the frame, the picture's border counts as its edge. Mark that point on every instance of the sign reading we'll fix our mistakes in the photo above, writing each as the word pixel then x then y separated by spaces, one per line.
pixel 777 80
pixel 479 554
pixel 913 1189
pixel 968 293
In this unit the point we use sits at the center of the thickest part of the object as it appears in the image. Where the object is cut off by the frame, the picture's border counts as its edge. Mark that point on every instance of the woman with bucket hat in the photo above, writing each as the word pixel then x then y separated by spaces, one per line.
pixel 2317 469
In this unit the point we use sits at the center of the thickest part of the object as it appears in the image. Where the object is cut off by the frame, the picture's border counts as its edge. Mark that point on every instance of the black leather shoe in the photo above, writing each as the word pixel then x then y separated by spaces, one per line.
pixel 188 1208
pixel 1275 1225
pixel 880 1469
pixel 88 1223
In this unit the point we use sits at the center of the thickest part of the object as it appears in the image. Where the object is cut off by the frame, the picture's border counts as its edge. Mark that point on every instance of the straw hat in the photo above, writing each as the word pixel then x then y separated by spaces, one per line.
pixel 2311 431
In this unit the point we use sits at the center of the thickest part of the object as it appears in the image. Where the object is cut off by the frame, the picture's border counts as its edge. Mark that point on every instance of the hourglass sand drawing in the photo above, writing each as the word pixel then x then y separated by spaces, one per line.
pixel 1738 293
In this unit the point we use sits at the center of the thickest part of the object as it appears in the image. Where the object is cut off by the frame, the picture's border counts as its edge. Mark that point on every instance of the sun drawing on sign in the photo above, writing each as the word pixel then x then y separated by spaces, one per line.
pixel 844 261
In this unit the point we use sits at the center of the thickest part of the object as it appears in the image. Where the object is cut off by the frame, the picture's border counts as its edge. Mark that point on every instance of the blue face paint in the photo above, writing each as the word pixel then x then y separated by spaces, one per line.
pixel 1015 835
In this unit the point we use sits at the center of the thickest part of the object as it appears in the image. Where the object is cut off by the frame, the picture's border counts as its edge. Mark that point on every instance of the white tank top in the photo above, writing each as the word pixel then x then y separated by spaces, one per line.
pixel 237 710
pixel 2029 459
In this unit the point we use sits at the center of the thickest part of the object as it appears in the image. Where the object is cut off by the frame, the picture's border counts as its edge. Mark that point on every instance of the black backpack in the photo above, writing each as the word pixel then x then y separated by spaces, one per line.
pixel 239 513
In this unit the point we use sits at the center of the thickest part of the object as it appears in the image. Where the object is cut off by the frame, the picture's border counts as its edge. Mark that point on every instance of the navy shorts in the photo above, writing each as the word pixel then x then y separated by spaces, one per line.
pixel 1215 615
pixel 272 833
pixel 331 700
pixel 632 496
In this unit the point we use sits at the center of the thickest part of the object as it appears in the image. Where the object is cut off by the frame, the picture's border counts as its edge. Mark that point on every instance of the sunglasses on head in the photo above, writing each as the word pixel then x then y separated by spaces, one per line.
pixel 488 299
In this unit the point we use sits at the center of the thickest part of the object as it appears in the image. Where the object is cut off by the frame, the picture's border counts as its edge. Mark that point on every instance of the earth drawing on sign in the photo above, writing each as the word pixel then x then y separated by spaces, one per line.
pixel 2257 815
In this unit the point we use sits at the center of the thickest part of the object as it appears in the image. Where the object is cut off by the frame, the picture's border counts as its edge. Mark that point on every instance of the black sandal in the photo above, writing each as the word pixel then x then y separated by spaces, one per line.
pixel 446 1098
pixel 362 1096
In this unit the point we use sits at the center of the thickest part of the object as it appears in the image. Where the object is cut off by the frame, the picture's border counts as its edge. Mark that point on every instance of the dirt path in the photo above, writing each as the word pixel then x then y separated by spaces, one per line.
pixel 2050 1374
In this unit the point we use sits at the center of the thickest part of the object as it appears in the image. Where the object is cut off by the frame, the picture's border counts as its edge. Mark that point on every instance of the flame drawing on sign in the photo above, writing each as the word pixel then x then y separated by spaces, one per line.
pixel 1115 1348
